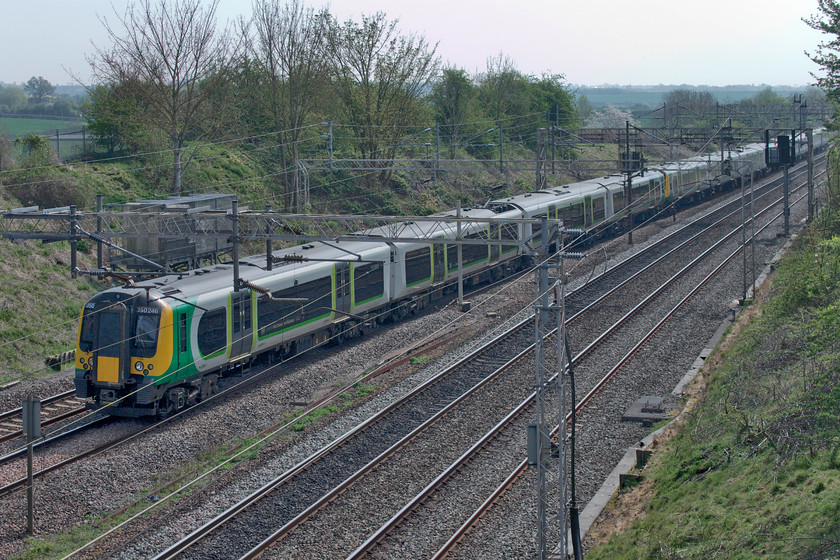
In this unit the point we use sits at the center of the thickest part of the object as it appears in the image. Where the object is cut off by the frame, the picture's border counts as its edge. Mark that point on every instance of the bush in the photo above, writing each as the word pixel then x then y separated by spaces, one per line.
pixel 39 181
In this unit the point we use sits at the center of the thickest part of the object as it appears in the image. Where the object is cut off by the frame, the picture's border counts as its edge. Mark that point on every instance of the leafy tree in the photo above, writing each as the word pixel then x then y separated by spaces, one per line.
pixel 115 117
pixel 12 98
pixel 769 97
pixel 503 89
pixel 584 107
pixel 169 59
pixel 549 95
pixel 381 77
pixel 38 89
pixel 827 55
pixel 452 97
pixel 289 47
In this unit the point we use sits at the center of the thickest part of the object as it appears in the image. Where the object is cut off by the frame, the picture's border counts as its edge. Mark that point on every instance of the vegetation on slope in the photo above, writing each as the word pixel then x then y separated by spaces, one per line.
pixel 754 472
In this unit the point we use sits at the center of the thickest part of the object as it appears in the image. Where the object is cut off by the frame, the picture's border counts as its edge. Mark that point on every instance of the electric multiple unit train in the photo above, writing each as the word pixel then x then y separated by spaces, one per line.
pixel 163 344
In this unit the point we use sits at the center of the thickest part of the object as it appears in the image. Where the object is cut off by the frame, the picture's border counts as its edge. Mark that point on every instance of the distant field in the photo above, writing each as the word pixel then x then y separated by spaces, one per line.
pixel 626 99
pixel 15 127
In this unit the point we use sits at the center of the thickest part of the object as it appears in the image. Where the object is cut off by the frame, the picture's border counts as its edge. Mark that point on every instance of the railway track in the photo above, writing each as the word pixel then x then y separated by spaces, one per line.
pixel 489 450
pixel 54 409
pixel 652 338
pixel 222 527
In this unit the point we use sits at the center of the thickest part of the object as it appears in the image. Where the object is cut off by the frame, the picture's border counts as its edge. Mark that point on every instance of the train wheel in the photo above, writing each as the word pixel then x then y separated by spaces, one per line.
pixel 174 400
pixel 166 407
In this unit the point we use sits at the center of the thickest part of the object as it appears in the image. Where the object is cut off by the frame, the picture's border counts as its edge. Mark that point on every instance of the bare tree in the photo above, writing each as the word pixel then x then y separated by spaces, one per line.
pixel 289 44
pixel 381 77
pixel 175 60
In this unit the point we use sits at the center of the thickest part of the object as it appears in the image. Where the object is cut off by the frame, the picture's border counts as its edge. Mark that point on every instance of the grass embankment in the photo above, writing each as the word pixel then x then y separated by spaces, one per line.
pixel 754 472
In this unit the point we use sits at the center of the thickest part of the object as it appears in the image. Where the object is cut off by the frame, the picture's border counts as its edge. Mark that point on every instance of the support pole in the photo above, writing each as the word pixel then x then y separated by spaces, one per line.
pixel 269 259
pixel 437 152
pixel 234 217
pixel 543 443
pixel 752 227
pixel 743 236
pixel 810 135
pixel 501 150
pixel 73 225
pixel 786 197
pixel 99 248
pixel 560 390
pixel 331 146
pixel 31 431
pixel 628 188
pixel 460 260
pixel 30 490
pixel 562 409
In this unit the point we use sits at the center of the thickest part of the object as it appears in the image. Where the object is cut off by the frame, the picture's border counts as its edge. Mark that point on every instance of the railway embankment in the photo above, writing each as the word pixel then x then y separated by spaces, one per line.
pixel 752 468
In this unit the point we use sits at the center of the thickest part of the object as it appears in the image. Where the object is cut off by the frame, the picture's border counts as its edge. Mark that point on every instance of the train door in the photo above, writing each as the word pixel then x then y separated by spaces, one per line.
pixel 494 248
pixel 438 262
pixel 112 356
pixel 587 211
pixel 342 287
pixel 242 332
pixel 183 337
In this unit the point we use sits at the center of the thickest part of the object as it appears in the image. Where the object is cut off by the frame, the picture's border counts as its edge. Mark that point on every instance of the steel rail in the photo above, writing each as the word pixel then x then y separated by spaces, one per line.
pixel 465 527
pixel 200 533
pixel 326 498
pixel 381 534
pixel 11 421
pixel 414 503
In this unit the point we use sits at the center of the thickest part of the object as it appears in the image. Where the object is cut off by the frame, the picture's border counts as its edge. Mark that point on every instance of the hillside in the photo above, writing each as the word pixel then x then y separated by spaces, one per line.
pixel 754 471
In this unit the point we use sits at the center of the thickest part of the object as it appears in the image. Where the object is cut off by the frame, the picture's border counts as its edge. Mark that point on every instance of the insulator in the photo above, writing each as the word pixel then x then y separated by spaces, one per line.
pixel 96 272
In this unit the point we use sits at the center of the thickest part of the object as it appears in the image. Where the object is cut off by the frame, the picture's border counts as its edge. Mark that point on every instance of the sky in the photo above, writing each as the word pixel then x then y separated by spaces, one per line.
pixel 590 42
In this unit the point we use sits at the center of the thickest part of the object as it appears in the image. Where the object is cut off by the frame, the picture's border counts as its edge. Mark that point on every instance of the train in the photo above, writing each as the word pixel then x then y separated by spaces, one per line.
pixel 160 345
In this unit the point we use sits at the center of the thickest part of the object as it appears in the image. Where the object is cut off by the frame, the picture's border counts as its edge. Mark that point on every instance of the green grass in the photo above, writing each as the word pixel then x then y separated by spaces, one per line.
pixel 14 127
pixel 755 471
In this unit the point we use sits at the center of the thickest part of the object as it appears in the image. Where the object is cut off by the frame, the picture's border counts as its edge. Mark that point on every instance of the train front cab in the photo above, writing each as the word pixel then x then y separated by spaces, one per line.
pixel 124 344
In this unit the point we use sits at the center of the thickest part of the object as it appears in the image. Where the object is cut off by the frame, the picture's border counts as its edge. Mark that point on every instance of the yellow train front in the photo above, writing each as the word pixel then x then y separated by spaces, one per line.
pixel 124 351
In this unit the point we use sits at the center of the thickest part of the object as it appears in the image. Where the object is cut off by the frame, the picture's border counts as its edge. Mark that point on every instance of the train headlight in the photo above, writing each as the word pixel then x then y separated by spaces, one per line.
pixel 138 365
pixel 82 360
pixel 151 367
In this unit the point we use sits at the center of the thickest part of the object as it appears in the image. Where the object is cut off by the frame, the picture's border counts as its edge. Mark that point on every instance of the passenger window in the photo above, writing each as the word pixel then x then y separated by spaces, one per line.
pixel 146 331
pixel 212 332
